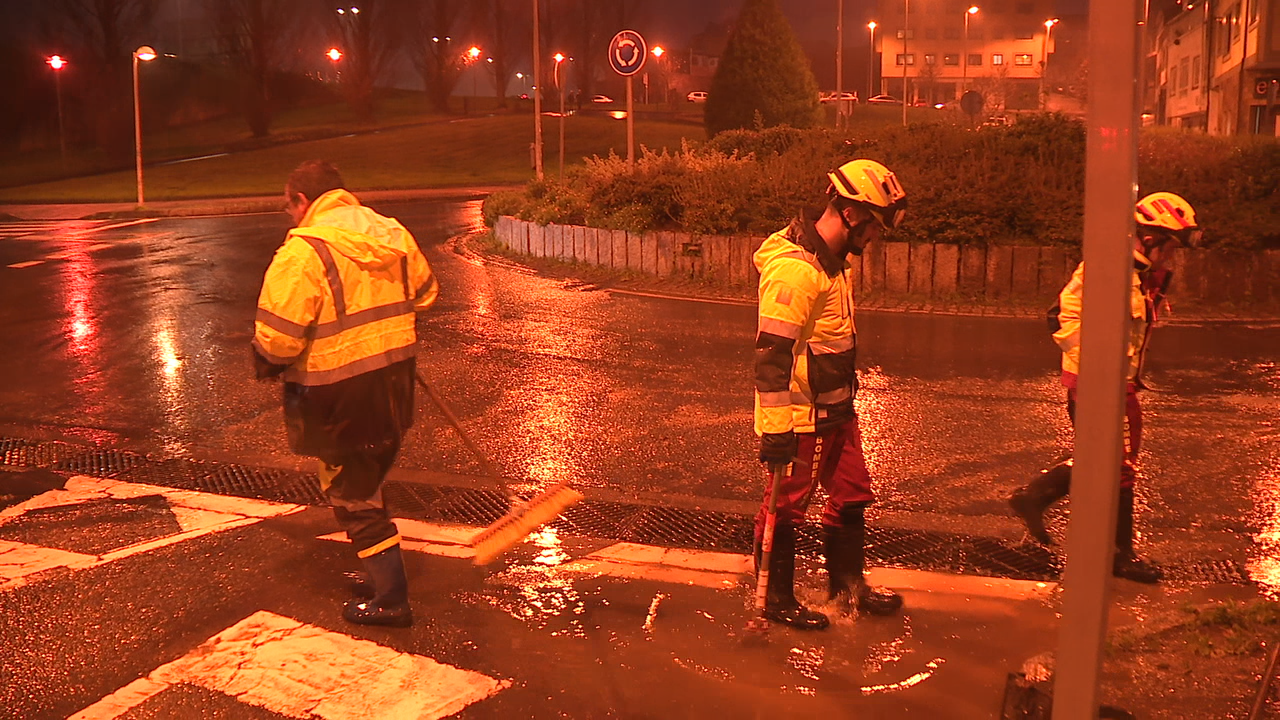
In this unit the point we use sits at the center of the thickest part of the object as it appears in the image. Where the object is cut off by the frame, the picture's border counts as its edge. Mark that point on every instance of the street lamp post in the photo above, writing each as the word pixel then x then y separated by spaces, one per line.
pixel 537 94
pixel 145 53
pixel 839 59
pixel 964 59
pixel 473 54
pixel 1044 59
pixel 906 30
pixel 334 55
pixel 57 63
pixel 871 62
pixel 658 51
pixel 559 58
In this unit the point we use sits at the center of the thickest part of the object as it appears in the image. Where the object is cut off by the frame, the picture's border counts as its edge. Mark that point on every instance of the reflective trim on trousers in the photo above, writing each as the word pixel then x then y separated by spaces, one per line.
pixel 1132 429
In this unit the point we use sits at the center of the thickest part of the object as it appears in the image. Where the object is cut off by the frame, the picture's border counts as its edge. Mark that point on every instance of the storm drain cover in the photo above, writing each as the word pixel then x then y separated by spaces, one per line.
pixel 94 527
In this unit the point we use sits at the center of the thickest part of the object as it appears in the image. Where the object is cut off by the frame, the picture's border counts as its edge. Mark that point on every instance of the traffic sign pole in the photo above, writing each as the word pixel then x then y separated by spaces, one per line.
pixel 631 129
pixel 627 53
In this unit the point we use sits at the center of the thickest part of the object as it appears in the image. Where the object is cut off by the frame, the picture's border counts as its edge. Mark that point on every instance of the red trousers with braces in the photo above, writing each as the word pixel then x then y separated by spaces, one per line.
pixel 832 459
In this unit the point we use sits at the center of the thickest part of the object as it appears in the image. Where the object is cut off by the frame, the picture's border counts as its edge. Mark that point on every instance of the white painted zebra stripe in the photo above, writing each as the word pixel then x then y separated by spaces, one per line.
pixel 304 671
pixel 196 513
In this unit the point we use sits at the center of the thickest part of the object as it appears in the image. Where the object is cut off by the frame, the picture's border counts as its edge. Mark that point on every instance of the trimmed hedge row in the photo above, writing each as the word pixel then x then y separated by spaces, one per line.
pixel 1018 185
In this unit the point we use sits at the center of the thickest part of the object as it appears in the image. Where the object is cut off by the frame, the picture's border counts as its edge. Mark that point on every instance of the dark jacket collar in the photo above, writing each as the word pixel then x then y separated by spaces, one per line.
pixel 804 232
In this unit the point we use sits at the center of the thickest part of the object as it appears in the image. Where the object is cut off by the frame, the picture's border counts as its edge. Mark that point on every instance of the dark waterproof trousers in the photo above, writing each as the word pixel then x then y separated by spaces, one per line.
pixel 1132 426
pixel 352 482
pixel 833 459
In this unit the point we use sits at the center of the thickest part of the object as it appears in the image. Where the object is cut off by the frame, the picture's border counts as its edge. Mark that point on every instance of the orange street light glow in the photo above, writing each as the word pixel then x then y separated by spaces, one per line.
pixel 873 25
pixel 145 53
pixel 1051 23
pixel 56 62
pixel 658 51
pixel 558 57
pixel 474 52
pixel 334 54
pixel 972 9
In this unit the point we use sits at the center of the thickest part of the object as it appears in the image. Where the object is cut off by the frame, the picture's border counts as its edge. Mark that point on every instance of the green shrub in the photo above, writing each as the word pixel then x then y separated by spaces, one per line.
pixel 1022 184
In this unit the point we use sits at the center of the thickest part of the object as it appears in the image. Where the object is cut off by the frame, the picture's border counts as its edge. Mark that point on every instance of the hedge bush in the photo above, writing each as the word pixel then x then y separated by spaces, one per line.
pixel 1022 184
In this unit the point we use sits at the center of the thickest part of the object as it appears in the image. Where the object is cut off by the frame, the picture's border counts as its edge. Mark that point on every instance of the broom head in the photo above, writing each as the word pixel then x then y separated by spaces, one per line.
pixel 521 520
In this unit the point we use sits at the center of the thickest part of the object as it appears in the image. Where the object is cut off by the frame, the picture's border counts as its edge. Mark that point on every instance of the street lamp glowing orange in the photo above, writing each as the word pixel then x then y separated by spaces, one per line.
pixel 657 51
pixel 871 64
pixel 334 54
pixel 474 52
pixel 57 62
pixel 964 64
pixel 144 53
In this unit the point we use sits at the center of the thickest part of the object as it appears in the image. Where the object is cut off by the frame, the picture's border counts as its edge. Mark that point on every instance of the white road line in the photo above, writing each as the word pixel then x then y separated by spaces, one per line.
pixel 113 226
pixel 719 570
pixel 197 513
pixel 27 264
pixel 686 298
pixel 304 671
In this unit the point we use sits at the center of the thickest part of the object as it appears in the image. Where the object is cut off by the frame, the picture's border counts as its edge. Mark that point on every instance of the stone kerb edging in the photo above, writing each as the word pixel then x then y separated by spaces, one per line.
pixel 996 272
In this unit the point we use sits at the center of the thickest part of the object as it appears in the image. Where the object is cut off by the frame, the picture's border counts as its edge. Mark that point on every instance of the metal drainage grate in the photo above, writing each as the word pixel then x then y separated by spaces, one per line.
pixel 629 522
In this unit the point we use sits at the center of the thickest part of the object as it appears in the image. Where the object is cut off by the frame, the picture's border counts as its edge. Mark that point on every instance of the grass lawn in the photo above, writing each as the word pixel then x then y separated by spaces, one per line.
pixel 447 152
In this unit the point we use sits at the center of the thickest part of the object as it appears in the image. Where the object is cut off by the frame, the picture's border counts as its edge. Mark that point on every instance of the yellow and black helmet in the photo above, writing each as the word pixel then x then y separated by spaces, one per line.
pixel 1170 213
pixel 873 186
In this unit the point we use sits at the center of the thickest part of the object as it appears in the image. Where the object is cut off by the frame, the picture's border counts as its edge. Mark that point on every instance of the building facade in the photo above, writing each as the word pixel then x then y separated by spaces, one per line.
pixel 1214 65
pixel 931 51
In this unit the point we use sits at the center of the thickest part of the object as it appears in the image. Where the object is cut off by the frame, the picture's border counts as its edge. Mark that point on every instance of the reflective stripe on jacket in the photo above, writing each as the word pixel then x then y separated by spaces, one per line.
pixel 340 296
pixel 805 340
pixel 1070 301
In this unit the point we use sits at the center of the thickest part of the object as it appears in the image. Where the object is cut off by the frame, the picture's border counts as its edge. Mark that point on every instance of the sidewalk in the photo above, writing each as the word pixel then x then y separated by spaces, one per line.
pixel 225 206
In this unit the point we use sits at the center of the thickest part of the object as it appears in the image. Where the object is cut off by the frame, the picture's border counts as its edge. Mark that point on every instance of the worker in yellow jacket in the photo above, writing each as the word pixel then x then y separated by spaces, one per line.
pixel 335 321
pixel 1164 220
pixel 805 386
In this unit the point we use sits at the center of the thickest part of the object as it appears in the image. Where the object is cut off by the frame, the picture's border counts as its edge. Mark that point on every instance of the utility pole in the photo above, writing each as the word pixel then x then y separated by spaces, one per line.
pixel 906 30
pixel 839 60
pixel 537 95
pixel 1109 197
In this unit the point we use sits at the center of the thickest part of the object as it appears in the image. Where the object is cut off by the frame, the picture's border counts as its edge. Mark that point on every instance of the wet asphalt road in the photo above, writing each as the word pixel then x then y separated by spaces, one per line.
pixel 137 337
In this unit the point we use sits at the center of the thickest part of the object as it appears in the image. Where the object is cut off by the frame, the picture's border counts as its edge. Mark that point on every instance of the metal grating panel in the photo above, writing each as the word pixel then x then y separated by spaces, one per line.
pixel 631 522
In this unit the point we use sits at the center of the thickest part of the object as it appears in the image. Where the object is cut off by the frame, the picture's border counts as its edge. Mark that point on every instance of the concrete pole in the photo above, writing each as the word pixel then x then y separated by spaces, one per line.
pixel 839 59
pixel 631 127
pixel 906 30
pixel 1110 183
pixel 137 130
pixel 537 95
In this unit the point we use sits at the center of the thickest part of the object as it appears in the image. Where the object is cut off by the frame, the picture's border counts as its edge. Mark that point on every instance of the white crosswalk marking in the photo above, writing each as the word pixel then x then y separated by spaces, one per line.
pixel 304 671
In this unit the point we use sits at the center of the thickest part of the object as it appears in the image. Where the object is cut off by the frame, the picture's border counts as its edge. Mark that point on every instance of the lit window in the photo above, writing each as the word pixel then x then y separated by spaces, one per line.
pixel 950 59
pixel 930 59
pixel 1022 59
pixel 911 59
pixel 997 58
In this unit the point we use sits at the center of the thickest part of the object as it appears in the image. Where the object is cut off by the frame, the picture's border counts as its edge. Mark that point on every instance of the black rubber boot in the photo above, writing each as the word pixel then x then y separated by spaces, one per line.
pixel 359 584
pixel 390 603
pixel 1031 501
pixel 845 551
pixel 1127 564
pixel 780 603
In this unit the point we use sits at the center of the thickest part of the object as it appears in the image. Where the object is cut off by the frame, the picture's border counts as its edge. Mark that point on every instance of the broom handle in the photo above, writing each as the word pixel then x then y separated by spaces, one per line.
pixel 776 473
pixel 466 439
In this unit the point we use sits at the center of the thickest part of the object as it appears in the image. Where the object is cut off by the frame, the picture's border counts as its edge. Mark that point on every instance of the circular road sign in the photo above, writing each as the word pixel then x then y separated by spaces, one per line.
pixel 626 52
pixel 971 102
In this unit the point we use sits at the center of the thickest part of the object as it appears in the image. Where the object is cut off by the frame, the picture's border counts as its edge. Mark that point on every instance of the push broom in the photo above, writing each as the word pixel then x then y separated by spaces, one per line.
pixel 757 629
pixel 523 517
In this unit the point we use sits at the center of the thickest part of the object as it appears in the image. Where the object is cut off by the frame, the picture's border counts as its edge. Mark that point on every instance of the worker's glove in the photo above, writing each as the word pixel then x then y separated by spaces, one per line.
pixel 778 448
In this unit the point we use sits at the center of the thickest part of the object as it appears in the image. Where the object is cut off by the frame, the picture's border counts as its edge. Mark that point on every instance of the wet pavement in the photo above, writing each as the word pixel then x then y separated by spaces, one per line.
pixel 135 337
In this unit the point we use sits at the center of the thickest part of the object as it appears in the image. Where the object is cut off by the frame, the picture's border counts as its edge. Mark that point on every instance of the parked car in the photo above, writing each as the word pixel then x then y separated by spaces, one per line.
pixel 602 99
pixel 697 96
pixel 845 96
pixel 884 100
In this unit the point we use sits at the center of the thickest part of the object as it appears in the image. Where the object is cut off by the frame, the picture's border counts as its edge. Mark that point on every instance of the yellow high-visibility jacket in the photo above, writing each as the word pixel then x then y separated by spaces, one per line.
pixel 1065 318
pixel 339 298
pixel 805 342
